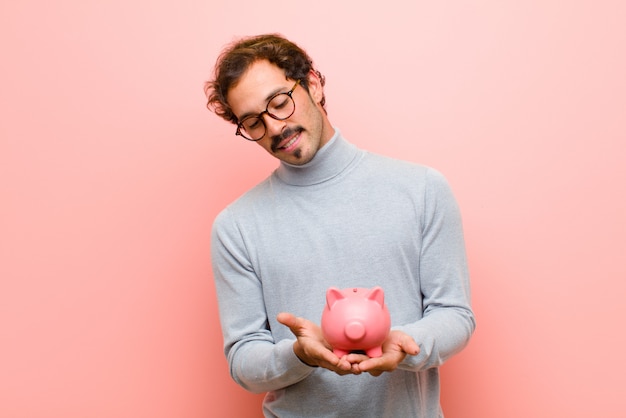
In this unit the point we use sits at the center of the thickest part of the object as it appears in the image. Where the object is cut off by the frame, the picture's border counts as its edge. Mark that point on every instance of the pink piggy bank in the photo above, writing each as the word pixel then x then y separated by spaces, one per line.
pixel 356 319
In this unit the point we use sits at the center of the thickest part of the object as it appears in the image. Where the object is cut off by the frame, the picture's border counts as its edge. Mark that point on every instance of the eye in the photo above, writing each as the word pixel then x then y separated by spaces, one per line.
pixel 252 123
pixel 279 101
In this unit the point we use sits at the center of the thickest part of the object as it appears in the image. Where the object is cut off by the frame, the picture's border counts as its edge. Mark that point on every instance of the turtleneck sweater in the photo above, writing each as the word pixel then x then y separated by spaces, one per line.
pixel 348 218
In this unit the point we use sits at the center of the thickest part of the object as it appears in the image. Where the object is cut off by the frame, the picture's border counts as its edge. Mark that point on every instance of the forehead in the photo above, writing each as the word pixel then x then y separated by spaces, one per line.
pixel 257 85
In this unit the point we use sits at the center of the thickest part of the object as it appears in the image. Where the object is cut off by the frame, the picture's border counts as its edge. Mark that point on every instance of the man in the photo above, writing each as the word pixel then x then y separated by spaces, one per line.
pixel 330 215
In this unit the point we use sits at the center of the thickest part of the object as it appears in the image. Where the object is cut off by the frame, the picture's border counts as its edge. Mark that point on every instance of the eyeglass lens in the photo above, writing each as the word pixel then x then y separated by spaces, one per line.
pixel 280 107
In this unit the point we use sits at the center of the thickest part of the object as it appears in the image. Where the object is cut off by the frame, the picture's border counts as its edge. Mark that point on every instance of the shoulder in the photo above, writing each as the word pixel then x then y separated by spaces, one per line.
pixel 399 170
pixel 250 202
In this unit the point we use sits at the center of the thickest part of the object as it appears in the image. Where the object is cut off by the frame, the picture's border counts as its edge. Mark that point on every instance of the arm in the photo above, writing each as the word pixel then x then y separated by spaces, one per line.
pixel 256 361
pixel 448 321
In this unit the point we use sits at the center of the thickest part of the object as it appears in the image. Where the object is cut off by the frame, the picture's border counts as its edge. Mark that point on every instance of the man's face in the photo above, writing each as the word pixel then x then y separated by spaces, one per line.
pixel 296 139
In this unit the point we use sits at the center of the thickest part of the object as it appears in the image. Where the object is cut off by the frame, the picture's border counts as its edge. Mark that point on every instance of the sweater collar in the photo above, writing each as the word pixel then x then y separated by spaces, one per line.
pixel 330 160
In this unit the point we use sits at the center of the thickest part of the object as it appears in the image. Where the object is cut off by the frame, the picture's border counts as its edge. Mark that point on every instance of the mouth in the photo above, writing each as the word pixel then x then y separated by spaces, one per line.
pixel 290 143
pixel 287 141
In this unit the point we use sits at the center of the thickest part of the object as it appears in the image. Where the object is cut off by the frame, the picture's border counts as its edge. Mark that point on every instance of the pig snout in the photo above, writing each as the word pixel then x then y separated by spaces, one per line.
pixel 354 330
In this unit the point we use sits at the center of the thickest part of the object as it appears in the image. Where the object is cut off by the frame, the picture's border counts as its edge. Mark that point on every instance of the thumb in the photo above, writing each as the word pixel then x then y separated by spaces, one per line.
pixel 287 319
pixel 409 346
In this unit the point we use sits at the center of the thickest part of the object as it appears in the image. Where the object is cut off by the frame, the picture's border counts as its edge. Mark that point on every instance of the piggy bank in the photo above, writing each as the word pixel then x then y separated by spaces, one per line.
pixel 356 319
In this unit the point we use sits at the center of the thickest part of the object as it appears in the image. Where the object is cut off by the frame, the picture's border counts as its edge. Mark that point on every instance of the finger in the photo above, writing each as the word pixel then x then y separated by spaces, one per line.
pixel 288 320
pixel 355 358
pixel 355 369
pixel 371 364
pixel 335 363
pixel 409 346
pixel 328 360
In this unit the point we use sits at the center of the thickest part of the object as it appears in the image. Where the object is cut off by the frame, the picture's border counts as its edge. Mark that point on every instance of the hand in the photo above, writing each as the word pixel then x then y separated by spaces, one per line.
pixel 311 347
pixel 395 349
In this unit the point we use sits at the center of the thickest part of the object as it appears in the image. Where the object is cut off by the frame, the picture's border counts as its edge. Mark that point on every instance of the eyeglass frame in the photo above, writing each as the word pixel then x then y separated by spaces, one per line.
pixel 266 111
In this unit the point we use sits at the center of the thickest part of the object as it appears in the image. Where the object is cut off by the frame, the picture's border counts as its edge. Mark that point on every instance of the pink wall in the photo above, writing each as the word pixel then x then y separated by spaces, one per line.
pixel 111 172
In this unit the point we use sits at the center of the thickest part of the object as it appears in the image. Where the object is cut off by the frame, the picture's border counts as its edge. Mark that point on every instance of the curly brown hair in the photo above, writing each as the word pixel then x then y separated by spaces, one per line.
pixel 237 58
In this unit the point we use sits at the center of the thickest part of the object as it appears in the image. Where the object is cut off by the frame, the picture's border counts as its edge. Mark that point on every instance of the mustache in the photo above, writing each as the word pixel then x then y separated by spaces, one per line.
pixel 277 139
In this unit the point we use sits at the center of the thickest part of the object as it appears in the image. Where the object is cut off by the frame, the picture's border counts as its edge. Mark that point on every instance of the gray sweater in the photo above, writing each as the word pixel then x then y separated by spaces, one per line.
pixel 348 218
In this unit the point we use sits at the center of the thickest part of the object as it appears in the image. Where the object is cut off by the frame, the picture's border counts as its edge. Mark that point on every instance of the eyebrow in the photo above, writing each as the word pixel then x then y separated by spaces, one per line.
pixel 267 99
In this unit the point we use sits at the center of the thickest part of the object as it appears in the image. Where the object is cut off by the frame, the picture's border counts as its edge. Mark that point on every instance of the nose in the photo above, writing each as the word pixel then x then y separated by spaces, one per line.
pixel 273 126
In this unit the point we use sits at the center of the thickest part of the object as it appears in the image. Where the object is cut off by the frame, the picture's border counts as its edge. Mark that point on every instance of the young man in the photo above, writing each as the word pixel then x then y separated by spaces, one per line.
pixel 330 215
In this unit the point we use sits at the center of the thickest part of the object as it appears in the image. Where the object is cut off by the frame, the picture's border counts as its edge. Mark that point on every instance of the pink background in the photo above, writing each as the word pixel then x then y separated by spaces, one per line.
pixel 112 170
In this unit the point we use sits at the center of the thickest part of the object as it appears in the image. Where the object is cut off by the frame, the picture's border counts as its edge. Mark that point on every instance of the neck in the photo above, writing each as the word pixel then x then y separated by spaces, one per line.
pixel 334 157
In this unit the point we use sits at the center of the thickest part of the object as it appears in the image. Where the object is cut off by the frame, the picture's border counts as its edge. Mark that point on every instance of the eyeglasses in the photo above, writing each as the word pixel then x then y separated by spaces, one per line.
pixel 280 107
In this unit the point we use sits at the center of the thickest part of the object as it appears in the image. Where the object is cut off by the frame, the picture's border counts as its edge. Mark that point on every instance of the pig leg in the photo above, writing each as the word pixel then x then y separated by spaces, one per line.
pixel 339 352
pixel 374 352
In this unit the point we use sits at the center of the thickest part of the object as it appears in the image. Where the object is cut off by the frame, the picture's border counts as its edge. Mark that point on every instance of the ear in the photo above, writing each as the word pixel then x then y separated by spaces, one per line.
pixel 316 89
pixel 333 295
pixel 377 295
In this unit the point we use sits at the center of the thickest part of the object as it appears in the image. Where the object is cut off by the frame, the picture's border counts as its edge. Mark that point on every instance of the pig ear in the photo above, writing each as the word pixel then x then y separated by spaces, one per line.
pixel 377 295
pixel 333 295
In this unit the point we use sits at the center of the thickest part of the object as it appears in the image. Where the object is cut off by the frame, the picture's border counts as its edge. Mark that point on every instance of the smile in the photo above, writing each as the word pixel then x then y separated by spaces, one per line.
pixel 291 143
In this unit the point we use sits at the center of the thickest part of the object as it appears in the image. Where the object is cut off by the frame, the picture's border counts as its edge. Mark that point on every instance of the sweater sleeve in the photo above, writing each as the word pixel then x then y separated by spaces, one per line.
pixel 256 361
pixel 448 321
